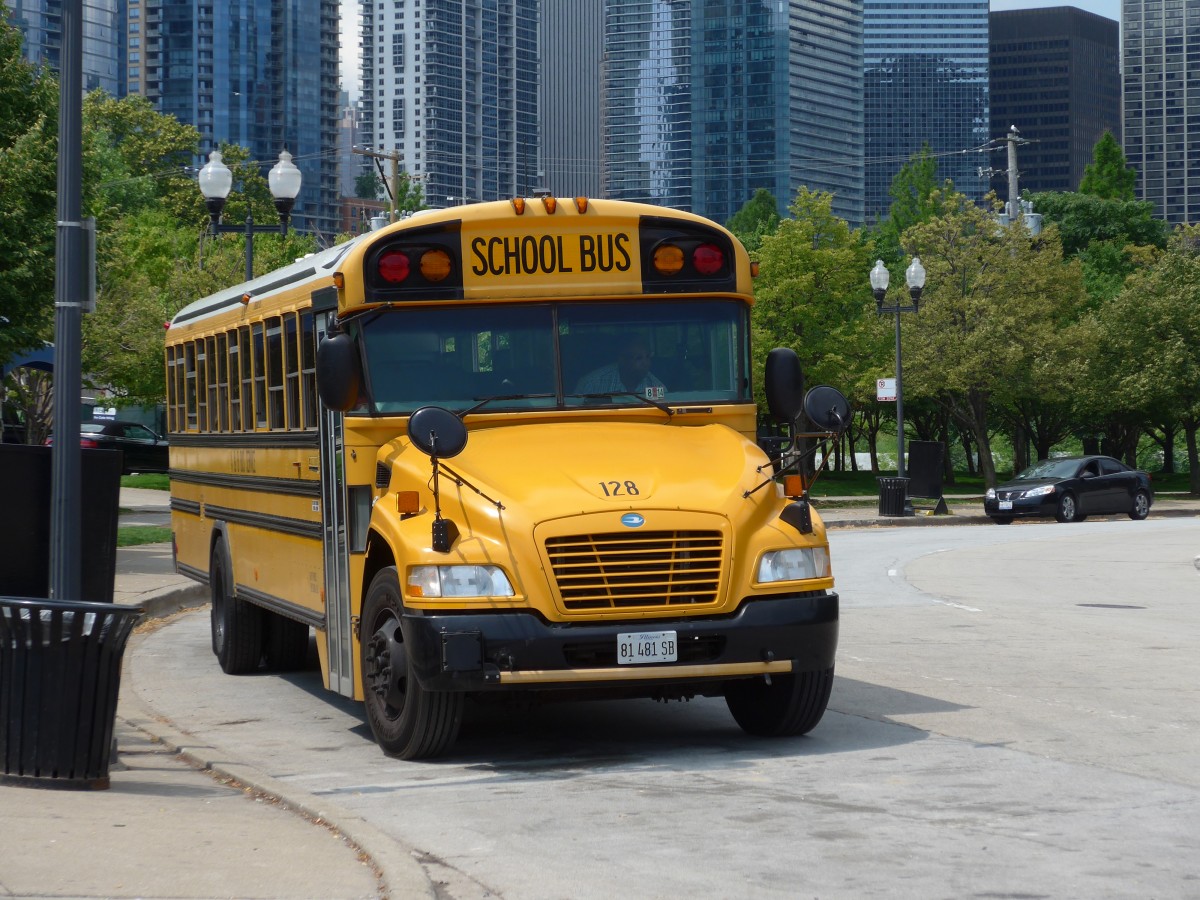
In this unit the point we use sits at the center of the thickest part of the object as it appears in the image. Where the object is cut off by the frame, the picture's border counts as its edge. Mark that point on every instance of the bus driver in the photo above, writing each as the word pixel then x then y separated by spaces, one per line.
pixel 630 373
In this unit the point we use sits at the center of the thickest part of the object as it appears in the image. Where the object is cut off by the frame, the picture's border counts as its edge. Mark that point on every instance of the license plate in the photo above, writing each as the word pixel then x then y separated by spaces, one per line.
pixel 1006 504
pixel 635 648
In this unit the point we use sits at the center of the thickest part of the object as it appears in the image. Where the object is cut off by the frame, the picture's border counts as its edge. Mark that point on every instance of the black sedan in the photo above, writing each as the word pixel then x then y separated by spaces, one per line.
pixel 143 450
pixel 1070 489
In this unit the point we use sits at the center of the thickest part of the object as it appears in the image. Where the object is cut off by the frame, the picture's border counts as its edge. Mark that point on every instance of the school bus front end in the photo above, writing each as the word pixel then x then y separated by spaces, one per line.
pixel 545 516
pixel 628 557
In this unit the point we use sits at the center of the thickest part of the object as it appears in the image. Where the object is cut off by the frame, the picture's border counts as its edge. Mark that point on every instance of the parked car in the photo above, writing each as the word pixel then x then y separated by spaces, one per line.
pixel 144 451
pixel 1070 489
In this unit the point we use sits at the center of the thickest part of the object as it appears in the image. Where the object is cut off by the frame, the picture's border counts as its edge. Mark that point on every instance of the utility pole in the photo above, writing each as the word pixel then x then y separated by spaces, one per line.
pixel 391 185
pixel 1013 207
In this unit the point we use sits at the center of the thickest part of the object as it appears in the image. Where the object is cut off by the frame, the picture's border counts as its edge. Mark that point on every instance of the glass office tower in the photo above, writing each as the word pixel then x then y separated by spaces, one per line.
pixel 1056 75
pixel 1160 44
pixel 450 87
pixel 925 82
pixel 40 24
pixel 259 73
pixel 706 101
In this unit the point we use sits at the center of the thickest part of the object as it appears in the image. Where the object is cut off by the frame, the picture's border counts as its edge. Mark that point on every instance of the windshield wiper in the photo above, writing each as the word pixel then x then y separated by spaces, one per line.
pixel 609 395
pixel 484 401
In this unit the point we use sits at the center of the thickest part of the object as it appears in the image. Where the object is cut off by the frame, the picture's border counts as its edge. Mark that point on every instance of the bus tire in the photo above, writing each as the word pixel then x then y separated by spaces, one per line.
pixel 408 721
pixel 236 625
pixel 285 643
pixel 787 705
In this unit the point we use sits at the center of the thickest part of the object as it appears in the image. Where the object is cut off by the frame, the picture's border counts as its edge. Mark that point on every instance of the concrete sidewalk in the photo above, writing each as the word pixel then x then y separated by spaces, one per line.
pixel 185 820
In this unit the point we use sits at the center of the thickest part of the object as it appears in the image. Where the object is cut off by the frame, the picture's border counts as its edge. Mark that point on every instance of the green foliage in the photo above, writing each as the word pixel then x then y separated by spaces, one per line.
pixel 917 196
pixel 1108 176
pixel 811 296
pixel 758 217
pixel 28 191
pixel 146 157
pixel 993 329
pixel 368 186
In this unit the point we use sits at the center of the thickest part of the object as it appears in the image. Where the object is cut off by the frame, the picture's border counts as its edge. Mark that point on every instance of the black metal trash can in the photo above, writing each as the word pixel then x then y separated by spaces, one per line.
pixel 893 494
pixel 60 673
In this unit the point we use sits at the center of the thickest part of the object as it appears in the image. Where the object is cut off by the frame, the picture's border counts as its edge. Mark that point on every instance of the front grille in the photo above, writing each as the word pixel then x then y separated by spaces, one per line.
pixel 623 570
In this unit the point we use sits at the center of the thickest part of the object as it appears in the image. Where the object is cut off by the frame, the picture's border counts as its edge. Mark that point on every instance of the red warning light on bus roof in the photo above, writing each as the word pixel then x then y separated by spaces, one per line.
pixel 393 267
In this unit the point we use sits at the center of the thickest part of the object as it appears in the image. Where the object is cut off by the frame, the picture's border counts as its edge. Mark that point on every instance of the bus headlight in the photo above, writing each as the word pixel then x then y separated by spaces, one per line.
pixel 458 581
pixel 793 565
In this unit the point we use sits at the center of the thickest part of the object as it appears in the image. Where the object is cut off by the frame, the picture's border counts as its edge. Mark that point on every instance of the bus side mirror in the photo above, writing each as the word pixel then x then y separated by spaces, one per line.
pixel 339 371
pixel 784 383
pixel 827 409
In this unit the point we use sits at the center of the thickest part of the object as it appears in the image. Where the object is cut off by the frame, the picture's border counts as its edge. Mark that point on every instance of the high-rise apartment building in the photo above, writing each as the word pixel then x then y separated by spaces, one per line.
pixel 451 87
pixel 1056 76
pixel 925 82
pixel 706 101
pixel 40 24
pixel 1160 46
pixel 572 34
pixel 259 73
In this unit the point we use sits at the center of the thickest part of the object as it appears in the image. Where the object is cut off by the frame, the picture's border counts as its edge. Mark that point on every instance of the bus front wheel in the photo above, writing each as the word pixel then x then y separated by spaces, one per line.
pixel 237 626
pixel 408 721
pixel 784 705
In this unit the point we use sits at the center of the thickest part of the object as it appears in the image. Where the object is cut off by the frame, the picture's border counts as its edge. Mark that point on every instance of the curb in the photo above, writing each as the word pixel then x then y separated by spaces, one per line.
pixel 398 869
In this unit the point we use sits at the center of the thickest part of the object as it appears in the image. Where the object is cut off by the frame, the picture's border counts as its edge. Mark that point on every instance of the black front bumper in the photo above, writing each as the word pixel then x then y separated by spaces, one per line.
pixel 519 650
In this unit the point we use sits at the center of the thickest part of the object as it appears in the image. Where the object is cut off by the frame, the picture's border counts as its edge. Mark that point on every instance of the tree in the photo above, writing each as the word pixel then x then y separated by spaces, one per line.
pixel 368 186
pixel 917 196
pixel 28 191
pixel 1108 176
pixel 758 217
pixel 1111 238
pixel 810 296
pixel 1150 335
pixel 149 157
pixel 990 328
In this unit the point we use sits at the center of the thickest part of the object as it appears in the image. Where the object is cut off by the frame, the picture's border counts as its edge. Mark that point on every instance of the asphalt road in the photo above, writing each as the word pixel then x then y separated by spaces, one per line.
pixel 1015 715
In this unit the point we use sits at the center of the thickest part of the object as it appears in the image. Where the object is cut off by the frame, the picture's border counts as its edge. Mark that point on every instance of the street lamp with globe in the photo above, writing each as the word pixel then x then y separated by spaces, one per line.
pixel 914 276
pixel 216 180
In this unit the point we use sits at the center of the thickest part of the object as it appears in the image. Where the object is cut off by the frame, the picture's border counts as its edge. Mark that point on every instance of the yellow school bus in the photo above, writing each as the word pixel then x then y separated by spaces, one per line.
pixel 503 448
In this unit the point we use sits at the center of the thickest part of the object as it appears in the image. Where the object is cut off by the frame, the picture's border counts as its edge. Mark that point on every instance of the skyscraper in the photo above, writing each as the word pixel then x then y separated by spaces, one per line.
pixel 569 96
pixel 451 86
pixel 705 101
pixel 1056 75
pixel 1160 44
pixel 925 82
pixel 40 23
pixel 259 73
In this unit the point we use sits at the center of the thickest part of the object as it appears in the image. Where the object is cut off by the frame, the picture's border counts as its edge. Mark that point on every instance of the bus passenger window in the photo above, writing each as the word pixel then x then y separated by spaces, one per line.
pixel 190 388
pixel 291 371
pixel 308 370
pixel 260 377
pixel 275 373
pixel 235 384
pixel 247 398
pixel 222 383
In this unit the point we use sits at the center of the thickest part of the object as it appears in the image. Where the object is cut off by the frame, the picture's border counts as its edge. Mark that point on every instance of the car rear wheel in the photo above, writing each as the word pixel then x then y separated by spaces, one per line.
pixel 1068 510
pixel 1141 506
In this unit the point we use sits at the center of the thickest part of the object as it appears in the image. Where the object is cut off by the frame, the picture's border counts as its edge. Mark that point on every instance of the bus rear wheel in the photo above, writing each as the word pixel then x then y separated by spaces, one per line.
pixel 237 626
pixel 408 721
pixel 786 705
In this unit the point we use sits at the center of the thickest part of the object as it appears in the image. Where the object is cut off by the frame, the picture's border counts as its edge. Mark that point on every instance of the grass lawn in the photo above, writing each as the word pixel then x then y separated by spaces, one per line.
pixel 150 480
pixel 133 535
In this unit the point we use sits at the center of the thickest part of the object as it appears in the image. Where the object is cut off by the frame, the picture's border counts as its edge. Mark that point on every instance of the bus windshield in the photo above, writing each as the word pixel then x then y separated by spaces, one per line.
pixel 556 355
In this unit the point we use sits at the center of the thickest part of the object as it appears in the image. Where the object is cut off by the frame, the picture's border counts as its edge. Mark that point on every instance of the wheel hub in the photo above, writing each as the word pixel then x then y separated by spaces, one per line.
pixel 387 665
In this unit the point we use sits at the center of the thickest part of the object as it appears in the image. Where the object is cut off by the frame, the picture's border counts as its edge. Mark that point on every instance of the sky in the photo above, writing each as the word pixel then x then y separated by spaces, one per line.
pixel 350 12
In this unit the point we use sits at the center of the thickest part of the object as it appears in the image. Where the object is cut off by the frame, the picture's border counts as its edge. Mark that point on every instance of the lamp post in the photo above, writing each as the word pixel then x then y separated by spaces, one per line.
pixel 215 182
pixel 915 277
